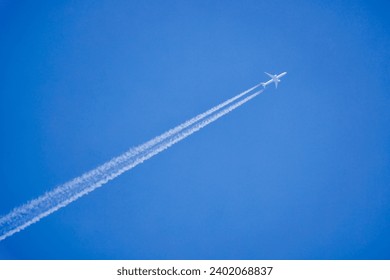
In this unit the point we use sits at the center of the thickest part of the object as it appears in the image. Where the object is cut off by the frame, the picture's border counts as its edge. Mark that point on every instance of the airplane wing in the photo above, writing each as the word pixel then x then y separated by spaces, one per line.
pixel 271 76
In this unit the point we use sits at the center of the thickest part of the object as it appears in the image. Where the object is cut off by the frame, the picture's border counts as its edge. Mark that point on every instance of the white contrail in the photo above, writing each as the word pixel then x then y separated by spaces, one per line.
pixel 33 211
pixel 102 169
pixel 139 149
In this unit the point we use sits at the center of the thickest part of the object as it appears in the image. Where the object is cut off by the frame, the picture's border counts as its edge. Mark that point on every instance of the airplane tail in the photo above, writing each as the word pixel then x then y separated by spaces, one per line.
pixel 263 84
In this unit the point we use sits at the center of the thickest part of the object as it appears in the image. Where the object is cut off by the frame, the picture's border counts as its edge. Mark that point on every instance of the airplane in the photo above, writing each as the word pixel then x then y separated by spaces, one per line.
pixel 274 79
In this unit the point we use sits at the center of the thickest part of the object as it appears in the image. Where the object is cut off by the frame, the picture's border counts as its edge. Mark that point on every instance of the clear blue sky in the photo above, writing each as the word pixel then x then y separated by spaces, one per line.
pixel 302 172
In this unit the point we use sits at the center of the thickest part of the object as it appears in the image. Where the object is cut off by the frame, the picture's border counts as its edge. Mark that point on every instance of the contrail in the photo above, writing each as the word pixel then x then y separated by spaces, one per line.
pixel 93 174
pixel 31 212
pixel 139 149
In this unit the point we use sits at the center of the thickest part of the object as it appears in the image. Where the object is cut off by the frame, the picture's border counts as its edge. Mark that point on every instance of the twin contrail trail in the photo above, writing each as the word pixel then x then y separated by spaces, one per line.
pixel 34 210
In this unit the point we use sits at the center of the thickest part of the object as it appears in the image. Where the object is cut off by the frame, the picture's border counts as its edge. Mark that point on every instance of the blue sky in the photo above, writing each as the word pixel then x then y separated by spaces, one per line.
pixel 301 172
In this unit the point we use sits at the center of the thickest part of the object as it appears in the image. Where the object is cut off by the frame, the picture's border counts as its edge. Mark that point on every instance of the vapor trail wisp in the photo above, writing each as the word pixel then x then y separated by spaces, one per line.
pixel 31 212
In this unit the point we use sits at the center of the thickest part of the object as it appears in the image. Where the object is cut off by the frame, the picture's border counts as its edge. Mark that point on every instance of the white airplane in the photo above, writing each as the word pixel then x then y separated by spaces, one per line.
pixel 274 79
